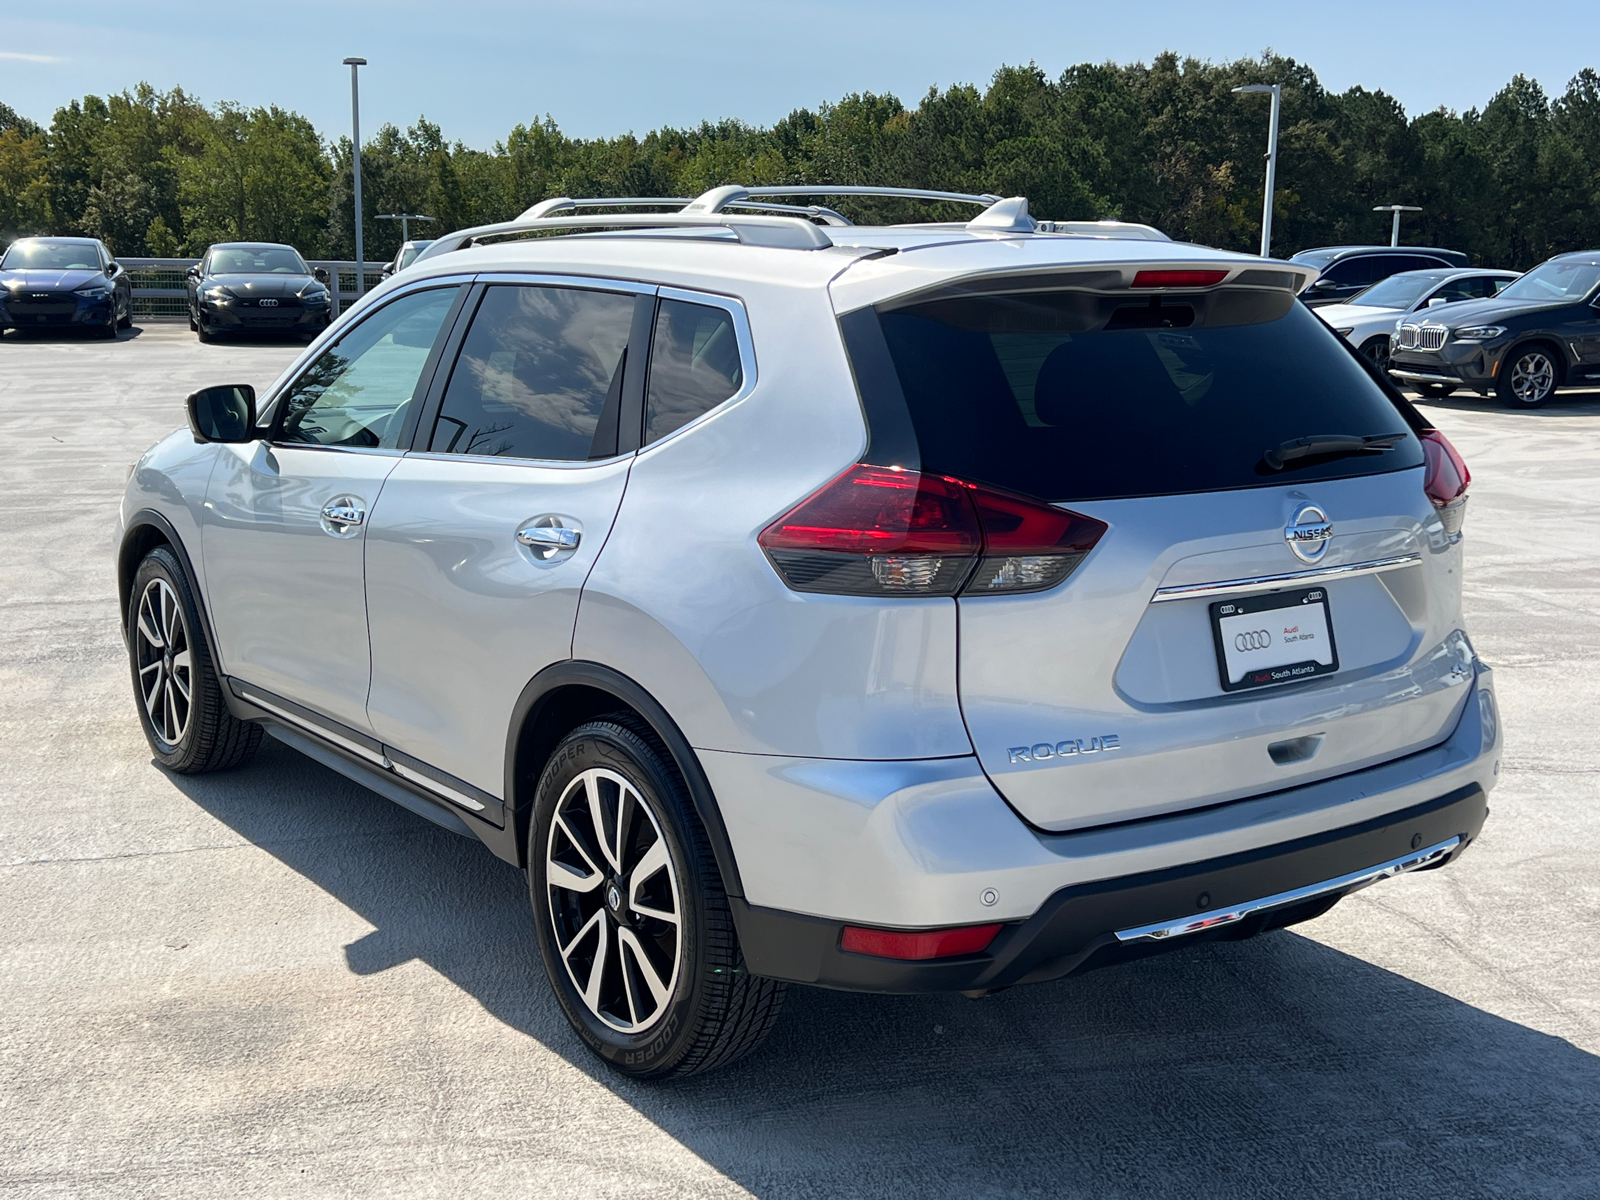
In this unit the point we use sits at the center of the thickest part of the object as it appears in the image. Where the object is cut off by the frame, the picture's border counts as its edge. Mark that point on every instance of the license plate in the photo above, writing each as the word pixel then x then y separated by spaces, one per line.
pixel 1277 638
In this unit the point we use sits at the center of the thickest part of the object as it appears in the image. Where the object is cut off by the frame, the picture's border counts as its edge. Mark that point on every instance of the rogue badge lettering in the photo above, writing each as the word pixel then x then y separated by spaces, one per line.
pixel 1071 748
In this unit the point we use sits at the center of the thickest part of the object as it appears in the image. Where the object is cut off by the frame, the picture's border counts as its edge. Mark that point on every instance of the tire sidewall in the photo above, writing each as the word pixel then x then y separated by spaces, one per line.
pixel 603 744
pixel 162 564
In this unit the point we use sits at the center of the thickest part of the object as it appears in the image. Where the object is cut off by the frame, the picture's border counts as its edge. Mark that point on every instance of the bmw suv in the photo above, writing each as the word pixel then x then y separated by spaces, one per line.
pixel 903 609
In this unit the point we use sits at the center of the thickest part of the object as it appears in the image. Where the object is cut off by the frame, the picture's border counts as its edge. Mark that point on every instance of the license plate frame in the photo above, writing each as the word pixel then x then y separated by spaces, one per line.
pixel 1313 632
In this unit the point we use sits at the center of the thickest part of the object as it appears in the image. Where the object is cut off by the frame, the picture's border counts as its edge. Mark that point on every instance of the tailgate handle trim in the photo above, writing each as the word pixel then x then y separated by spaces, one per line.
pixel 1271 583
pixel 1427 857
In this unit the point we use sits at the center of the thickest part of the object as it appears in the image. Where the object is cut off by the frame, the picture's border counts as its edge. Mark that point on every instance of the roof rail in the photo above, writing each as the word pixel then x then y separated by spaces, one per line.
pixel 782 232
pixel 565 203
pixel 719 197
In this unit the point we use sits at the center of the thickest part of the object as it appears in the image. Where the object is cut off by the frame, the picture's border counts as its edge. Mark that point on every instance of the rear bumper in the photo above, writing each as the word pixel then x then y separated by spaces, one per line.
pixel 1114 920
pixel 927 844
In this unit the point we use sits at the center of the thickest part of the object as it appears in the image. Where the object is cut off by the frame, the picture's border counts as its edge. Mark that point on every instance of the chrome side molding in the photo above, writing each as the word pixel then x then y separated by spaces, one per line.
pixel 1271 583
pixel 1426 857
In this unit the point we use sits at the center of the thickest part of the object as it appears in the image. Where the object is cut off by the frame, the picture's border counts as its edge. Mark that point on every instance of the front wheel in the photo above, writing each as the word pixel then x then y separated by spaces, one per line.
pixel 185 719
pixel 1377 349
pixel 632 920
pixel 1527 377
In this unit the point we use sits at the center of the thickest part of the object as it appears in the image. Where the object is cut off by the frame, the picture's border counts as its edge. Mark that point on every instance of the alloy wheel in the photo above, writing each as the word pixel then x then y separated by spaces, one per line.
pixel 1533 376
pixel 164 662
pixel 615 901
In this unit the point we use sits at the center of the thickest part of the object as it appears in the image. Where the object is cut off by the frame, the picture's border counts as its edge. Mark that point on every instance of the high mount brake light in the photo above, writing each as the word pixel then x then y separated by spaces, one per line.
pixel 923 944
pixel 883 531
pixel 1445 479
pixel 1163 279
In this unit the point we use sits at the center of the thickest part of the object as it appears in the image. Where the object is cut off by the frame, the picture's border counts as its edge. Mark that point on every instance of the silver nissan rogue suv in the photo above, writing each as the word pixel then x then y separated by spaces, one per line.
pixel 904 608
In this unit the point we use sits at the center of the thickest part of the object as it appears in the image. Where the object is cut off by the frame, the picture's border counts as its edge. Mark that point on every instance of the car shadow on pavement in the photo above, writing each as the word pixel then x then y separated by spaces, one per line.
pixel 1274 1067
pixel 1576 403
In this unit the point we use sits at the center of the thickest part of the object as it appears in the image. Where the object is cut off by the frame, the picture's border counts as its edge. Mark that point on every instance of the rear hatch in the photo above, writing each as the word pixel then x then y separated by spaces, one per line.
pixel 1273 598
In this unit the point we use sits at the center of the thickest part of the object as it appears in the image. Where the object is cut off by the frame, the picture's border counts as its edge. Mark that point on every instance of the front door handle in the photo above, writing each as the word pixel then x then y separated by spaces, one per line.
pixel 343 514
pixel 546 536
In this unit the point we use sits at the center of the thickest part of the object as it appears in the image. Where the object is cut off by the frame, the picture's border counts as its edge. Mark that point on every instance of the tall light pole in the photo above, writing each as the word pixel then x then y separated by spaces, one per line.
pixel 1272 158
pixel 356 64
pixel 405 220
pixel 1396 209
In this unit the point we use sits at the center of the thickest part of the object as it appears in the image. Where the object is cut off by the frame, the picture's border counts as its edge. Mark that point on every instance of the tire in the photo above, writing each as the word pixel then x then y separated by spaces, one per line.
pixel 194 326
pixel 204 334
pixel 655 996
pixel 127 316
pixel 1377 349
pixel 1436 391
pixel 1528 376
pixel 193 734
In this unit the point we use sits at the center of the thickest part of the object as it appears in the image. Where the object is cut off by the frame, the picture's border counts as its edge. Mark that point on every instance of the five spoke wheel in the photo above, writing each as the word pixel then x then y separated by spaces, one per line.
pixel 163 661
pixel 615 901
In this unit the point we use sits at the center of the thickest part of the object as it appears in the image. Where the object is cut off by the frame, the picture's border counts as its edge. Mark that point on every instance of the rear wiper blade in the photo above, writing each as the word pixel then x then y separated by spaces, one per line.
pixel 1327 445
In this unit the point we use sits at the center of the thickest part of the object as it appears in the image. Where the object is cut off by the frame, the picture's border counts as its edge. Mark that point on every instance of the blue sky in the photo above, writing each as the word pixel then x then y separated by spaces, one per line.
pixel 477 67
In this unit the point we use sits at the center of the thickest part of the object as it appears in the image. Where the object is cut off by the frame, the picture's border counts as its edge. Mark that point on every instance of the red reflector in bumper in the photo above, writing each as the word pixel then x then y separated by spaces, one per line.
pixel 1146 279
pixel 927 943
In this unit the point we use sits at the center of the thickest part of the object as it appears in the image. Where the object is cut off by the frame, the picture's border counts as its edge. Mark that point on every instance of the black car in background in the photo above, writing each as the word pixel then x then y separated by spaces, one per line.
pixel 250 286
pixel 64 283
pixel 1347 270
pixel 1540 333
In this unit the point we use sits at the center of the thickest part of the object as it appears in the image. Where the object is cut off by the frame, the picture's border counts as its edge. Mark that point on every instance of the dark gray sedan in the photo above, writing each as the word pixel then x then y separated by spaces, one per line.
pixel 241 287
pixel 64 283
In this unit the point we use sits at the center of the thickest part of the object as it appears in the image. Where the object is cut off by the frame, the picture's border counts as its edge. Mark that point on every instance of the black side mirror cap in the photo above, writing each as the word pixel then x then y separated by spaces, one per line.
pixel 193 272
pixel 321 273
pixel 113 270
pixel 223 414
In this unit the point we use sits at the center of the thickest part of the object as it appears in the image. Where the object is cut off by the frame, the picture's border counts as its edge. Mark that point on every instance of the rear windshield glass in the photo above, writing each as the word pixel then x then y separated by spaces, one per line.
pixel 1079 395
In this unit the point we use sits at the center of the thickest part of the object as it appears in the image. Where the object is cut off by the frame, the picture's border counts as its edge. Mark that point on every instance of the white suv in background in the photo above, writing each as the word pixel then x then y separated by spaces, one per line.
pixel 903 608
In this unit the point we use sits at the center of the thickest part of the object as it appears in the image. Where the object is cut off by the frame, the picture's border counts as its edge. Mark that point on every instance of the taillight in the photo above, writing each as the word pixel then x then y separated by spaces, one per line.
pixel 1155 279
pixel 884 531
pixel 923 944
pixel 1445 480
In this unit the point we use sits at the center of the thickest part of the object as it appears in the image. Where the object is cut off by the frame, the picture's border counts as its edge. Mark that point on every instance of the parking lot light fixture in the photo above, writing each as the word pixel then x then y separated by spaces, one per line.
pixel 1276 90
pixel 1396 209
pixel 405 220
pixel 356 64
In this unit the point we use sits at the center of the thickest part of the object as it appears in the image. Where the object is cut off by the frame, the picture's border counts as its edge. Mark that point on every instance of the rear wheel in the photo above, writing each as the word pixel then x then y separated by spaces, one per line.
pixel 1528 377
pixel 185 719
pixel 632 921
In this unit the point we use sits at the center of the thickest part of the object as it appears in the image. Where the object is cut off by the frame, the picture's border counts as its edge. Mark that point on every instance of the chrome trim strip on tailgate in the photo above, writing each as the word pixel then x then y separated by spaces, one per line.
pixel 1269 583
pixel 1356 879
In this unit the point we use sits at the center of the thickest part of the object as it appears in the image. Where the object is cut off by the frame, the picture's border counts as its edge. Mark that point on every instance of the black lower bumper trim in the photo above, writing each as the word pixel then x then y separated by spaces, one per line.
pixel 1075 929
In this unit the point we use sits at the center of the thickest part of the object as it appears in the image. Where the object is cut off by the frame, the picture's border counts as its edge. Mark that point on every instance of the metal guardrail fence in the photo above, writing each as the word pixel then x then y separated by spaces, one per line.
pixel 158 284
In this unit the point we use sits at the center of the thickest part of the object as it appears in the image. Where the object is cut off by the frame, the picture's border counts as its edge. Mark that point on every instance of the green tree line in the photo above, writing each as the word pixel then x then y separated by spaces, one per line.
pixel 1168 143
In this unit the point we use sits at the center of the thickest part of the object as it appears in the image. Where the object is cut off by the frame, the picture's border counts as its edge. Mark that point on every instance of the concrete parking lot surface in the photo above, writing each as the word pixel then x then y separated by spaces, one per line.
pixel 274 983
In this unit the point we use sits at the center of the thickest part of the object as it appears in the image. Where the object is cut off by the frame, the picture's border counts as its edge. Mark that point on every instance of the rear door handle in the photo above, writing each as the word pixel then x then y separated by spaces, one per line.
pixel 546 536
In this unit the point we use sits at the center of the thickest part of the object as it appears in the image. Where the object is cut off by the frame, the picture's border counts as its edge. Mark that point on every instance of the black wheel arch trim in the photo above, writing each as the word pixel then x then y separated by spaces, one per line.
pixel 128 566
pixel 521 778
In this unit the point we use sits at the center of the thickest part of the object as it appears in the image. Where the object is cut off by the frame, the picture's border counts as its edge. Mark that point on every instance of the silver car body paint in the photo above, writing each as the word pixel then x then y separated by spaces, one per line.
pixel 835 729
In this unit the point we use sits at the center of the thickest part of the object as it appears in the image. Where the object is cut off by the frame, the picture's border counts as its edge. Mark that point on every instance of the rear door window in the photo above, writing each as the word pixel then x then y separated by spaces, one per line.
pixel 1077 395
pixel 694 365
pixel 539 375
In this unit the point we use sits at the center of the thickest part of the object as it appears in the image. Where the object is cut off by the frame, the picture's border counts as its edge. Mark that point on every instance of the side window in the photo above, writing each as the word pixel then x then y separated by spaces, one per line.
pixel 694 365
pixel 1351 272
pixel 539 369
pixel 358 390
pixel 1461 289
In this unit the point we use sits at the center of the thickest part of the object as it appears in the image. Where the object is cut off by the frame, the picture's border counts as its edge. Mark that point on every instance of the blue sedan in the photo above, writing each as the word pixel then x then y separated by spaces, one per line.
pixel 64 283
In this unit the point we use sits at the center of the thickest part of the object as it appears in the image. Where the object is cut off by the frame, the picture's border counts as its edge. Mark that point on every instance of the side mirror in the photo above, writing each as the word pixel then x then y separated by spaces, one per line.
pixel 113 270
pixel 321 273
pixel 223 414
pixel 193 272
pixel 1432 300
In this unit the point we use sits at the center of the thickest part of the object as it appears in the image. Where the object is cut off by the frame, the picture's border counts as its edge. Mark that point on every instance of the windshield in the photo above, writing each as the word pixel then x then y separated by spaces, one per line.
pixel 1555 281
pixel 257 260
pixel 51 256
pixel 409 252
pixel 1397 291
pixel 1081 395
